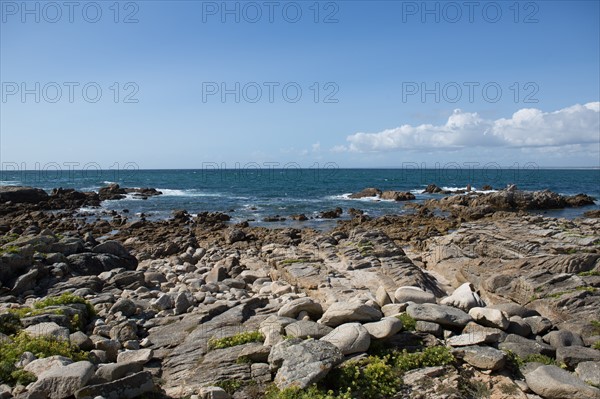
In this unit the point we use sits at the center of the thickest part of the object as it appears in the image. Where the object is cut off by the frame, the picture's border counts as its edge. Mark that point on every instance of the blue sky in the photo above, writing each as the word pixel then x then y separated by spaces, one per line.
pixel 362 68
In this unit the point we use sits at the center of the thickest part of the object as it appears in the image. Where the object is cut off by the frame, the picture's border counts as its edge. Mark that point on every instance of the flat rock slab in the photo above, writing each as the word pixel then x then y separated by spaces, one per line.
pixel 473 338
pixel 114 371
pixel 551 382
pixel 302 363
pixel 125 388
pixel 573 355
pixel 49 329
pixel 440 314
pixel 344 312
pixel 140 356
pixel 483 357
pixel 589 372
pixel 306 328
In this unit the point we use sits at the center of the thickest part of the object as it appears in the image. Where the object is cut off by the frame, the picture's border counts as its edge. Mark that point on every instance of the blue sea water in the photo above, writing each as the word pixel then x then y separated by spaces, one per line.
pixel 254 193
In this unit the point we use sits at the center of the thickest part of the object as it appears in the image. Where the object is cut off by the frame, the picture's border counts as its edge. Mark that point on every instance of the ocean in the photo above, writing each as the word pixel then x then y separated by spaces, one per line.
pixel 253 193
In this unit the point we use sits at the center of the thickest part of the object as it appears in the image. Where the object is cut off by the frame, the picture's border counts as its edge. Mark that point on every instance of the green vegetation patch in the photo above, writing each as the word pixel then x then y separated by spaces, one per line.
pixel 65 299
pixel 408 323
pixel 589 273
pixel 10 324
pixel 374 377
pixel 292 261
pixel 41 347
pixel 10 249
pixel 234 340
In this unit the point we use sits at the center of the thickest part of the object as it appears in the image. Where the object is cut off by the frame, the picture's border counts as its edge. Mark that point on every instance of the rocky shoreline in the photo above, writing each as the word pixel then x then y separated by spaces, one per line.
pixel 469 296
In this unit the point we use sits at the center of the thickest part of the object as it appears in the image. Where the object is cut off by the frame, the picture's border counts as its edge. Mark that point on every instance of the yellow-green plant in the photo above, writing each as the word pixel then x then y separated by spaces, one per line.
pixel 11 351
pixel 238 339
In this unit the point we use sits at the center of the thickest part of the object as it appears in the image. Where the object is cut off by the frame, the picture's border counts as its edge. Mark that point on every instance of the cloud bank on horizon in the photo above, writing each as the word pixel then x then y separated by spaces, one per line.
pixel 577 125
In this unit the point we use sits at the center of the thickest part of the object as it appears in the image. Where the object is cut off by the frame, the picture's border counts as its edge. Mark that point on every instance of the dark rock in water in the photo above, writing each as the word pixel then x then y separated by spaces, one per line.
pixel 275 218
pixel 115 192
pixel 68 198
pixel 397 195
pixel 21 194
pixel 212 217
pixel 143 192
pixel 111 192
pixel 579 200
pixel 592 214
pixel 367 192
pixel 181 214
pixel 432 189
pixel 355 212
pixel 301 217
pixel 486 187
pixel 333 214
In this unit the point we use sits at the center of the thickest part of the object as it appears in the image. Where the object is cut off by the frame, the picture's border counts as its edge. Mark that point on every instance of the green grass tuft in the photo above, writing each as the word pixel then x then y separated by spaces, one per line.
pixel 408 323
pixel 41 347
pixel 238 339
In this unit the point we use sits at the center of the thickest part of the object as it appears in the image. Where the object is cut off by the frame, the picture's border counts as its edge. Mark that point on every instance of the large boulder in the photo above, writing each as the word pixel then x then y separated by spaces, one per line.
pixel 63 381
pixel 307 328
pixel 303 363
pixel 397 195
pixel 573 355
pixel 524 347
pixel 413 294
pixel 589 372
pixel 563 338
pixel 551 382
pixel 293 308
pixel 384 328
pixel 49 329
pixel 482 357
pixel 444 315
pixel 89 263
pixel 114 371
pixel 113 248
pixel 464 297
pixel 347 312
pixel 367 192
pixel 489 317
pixel 40 366
pixel 349 338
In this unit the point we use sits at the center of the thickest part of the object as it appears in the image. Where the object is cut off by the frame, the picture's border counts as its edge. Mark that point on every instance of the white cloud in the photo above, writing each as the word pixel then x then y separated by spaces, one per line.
pixel 528 127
